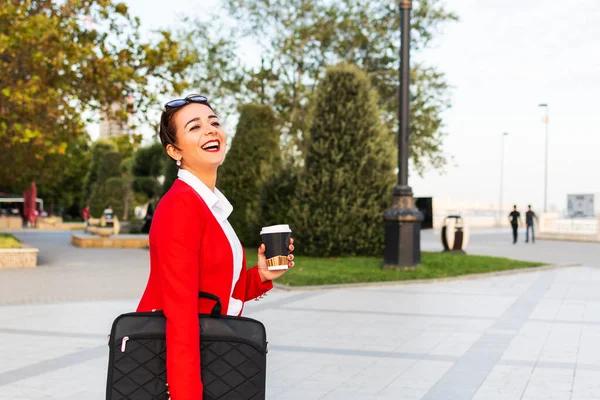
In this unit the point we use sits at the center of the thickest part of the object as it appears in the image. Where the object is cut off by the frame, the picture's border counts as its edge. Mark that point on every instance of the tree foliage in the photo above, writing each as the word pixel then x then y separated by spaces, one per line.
pixel 114 193
pixel 110 176
pixel 302 37
pixel 253 158
pixel 63 60
pixel 98 151
pixel 349 174
pixel 215 68
pixel 170 170
pixel 148 166
pixel 148 160
pixel 106 190
pixel 61 187
pixel 276 196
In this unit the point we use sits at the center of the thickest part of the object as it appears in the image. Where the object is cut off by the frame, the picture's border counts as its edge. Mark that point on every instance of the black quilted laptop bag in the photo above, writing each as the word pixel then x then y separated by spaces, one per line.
pixel 233 354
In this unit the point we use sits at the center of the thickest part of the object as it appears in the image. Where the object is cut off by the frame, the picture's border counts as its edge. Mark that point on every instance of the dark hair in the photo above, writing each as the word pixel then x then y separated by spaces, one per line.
pixel 167 130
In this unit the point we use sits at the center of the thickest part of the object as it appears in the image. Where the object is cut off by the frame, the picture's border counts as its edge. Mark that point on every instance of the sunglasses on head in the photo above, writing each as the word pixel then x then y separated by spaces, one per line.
pixel 192 98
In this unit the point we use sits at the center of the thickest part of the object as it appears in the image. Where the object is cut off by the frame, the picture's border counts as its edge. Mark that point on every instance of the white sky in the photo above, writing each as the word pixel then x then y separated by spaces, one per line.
pixel 503 58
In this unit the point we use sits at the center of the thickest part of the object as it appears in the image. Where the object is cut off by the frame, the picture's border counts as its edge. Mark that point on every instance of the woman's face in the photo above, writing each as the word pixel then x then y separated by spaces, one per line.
pixel 200 137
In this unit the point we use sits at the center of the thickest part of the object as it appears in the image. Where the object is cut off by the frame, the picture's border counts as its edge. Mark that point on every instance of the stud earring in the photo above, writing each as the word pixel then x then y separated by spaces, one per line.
pixel 178 163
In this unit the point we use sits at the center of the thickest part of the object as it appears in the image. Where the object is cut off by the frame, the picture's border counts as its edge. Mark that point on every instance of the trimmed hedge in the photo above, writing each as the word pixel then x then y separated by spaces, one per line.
pixel 113 192
pixel 98 150
pixel 348 177
pixel 148 165
pixel 170 170
pixel 253 158
pixel 275 198
pixel 146 185
pixel 104 191
pixel 148 160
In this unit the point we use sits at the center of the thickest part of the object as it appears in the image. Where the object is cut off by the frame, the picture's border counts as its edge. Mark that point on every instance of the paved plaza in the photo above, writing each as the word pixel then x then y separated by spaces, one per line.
pixel 530 336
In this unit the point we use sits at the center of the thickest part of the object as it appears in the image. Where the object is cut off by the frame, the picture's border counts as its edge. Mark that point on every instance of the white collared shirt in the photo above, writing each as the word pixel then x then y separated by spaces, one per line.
pixel 221 209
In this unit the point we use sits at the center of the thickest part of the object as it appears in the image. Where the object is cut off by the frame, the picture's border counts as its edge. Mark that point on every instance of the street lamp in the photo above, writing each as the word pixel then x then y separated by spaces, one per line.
pixel 403 219
pixel 500 211
pixel 546 120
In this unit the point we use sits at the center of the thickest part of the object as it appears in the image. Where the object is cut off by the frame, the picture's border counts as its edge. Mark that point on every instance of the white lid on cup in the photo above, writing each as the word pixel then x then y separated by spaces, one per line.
pixel 275 229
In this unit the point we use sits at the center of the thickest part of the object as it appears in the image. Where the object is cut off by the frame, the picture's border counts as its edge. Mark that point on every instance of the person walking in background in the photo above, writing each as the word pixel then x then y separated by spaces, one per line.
pixel 86 214
pixel 109 215
pixel 515 219
pixel 148 219
pixel 529 217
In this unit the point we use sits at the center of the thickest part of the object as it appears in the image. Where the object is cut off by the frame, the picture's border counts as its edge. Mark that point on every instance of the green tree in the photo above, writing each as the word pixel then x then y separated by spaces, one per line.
pixel 253 158
pixel 170 170
pixel 276 196
pixel 108 189
pixel 126 144
pixel 349 173
pixel 98 150
pixel 301 38
pixel 148 166
pixel 113 192
pixel 62 60
pixel 62 189
pixel 215 68
pixel 110 176
pixel 148 160
pixel 128 194
pixel 110 167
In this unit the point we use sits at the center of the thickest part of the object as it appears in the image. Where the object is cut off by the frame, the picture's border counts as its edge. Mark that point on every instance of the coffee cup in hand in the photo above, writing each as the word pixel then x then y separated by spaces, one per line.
pixel 277 242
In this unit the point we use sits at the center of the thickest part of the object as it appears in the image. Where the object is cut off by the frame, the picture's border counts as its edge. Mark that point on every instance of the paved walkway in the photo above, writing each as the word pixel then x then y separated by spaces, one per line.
pixel 528 336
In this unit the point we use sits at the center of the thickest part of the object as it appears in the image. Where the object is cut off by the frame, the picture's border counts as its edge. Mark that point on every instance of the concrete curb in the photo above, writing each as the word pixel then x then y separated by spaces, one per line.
pixel 422 281
pixel 110 242
pixel 22 257
pixel 566 238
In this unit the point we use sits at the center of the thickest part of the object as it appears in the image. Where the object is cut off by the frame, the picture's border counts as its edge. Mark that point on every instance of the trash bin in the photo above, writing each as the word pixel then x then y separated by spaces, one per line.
pixel 455 235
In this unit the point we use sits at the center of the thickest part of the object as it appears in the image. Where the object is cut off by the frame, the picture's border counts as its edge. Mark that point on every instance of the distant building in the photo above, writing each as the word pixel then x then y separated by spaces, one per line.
pixel 111 126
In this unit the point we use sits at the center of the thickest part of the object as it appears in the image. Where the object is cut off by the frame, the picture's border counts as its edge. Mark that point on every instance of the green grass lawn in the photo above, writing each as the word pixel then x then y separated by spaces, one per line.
pixel 324 271
pixel 8 241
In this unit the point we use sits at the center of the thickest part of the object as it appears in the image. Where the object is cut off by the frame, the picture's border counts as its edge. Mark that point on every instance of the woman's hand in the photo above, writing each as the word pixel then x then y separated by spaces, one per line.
pixel 263 271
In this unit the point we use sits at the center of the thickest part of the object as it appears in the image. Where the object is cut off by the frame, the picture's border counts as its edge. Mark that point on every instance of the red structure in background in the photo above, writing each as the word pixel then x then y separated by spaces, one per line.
pixel 29 205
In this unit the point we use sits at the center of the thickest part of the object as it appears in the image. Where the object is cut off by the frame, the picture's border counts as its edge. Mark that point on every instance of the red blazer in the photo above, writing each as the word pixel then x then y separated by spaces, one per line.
pixel 189 252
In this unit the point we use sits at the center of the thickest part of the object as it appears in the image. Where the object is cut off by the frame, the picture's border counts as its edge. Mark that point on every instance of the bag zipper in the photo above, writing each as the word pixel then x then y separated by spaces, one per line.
pixel 109 335
pixel 125 339
pixel 124 343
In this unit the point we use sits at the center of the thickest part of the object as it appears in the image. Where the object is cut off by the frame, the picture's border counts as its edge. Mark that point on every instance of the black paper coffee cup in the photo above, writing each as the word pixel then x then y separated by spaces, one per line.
pixel 277 242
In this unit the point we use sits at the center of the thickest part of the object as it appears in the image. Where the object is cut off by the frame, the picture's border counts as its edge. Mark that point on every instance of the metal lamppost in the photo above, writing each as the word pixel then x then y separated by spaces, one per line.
pixel 544 105
pixel 403 219
pixel 500 211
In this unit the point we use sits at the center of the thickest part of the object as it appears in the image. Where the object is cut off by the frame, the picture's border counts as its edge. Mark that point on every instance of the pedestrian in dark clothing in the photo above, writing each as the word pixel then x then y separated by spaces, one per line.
pixel 515 218
pixel 148 219
pixel 529 217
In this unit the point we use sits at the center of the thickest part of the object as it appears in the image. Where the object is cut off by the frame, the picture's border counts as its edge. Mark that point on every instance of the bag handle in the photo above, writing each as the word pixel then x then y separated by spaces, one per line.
pixel 216 311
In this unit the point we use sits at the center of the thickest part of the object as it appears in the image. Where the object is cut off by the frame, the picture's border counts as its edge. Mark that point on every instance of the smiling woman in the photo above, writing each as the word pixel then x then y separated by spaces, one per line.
pixel 192 245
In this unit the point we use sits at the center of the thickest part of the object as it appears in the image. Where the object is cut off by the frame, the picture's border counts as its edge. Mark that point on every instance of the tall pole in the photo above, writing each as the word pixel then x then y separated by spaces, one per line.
pixel 500 210
pixel 546 122
pixel 403 219
pixel 404 92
